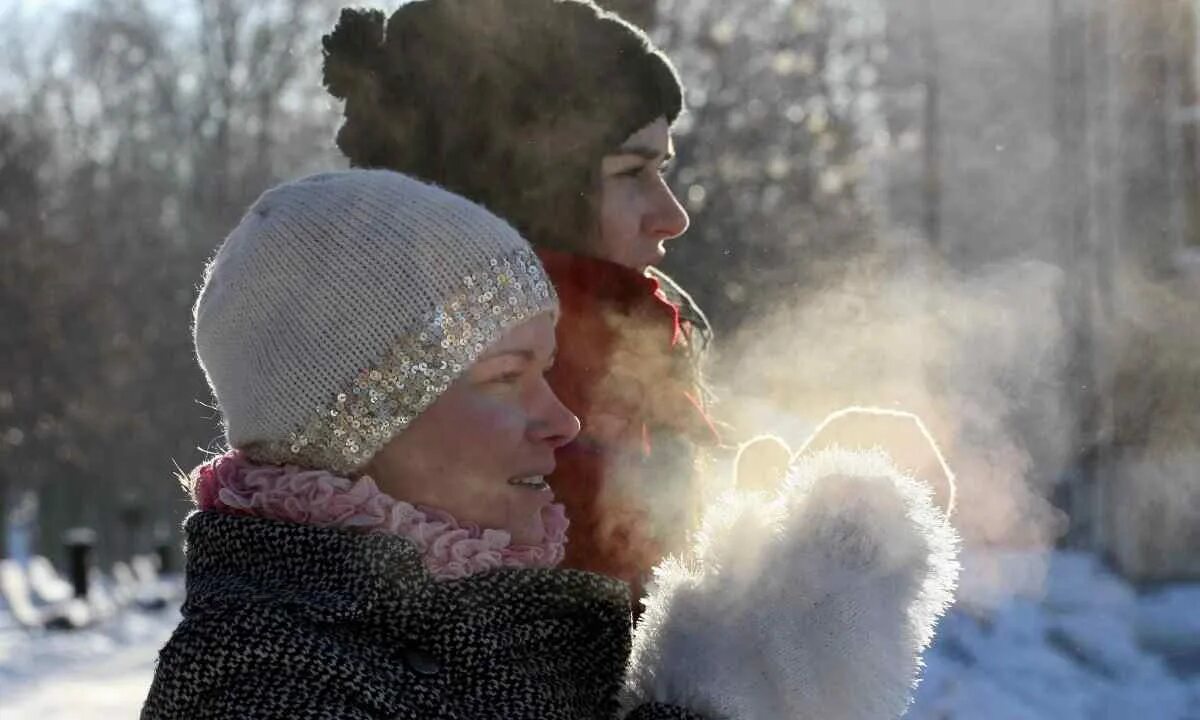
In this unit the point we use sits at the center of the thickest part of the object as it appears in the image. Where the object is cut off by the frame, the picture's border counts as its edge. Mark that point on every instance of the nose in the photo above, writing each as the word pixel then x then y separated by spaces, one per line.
pixel 667 217
pixel 552 422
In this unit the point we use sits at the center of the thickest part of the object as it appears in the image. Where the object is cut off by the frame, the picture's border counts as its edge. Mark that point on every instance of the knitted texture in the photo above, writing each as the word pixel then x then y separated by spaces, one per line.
pixel 450 550
pixel 344 303
pixel 305 623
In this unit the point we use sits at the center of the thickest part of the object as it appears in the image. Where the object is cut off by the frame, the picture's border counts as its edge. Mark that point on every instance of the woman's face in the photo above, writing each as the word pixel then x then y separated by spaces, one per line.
pixel 481 449
pixel 638 212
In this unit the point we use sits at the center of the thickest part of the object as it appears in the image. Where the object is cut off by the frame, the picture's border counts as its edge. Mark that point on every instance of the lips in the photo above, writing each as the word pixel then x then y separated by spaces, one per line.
pixel 533 482
pixel 657 255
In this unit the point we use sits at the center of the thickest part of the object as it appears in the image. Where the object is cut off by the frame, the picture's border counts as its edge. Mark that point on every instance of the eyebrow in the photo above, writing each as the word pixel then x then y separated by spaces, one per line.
pixel 524 354
pixel 645 151
pixel 527 355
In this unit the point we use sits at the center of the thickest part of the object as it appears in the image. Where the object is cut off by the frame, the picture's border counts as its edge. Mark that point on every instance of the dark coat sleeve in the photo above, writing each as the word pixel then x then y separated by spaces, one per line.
pixel 267 698
pixel 661 711
pixel 248 665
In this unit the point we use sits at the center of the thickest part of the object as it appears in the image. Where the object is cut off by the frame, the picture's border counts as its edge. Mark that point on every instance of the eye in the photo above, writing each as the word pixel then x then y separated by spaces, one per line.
pixel 507 378
pixel 632 172
pixel 499 372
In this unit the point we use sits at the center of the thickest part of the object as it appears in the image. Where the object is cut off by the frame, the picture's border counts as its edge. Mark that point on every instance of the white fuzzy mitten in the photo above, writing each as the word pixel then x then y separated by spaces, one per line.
pixel 812 604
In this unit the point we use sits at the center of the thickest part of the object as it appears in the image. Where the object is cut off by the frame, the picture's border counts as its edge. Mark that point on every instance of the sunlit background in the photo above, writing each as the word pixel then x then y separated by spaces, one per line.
pixel 985 212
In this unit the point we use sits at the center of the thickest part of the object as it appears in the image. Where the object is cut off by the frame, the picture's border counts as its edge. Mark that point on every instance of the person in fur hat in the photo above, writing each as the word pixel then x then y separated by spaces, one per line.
pixel 379 540
pixel 557 116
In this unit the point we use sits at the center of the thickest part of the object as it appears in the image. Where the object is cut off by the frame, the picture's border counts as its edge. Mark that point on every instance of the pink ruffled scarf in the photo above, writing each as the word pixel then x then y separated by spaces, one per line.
pixel 232 483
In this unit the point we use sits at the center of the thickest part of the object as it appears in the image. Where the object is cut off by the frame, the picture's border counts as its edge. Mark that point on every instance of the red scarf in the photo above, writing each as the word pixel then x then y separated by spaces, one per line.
pixel 623 368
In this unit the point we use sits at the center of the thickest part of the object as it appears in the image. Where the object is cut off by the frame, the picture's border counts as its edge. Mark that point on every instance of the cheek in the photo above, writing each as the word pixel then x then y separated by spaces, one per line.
pixel 486 449
pixel 456 457
pixel 498 426
pixel 621 210
pixel 482 432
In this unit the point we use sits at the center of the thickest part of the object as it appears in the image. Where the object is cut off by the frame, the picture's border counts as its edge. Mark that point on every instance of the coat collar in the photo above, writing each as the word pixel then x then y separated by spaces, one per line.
pixel 584 283
pixel 339 575
pixel 339 608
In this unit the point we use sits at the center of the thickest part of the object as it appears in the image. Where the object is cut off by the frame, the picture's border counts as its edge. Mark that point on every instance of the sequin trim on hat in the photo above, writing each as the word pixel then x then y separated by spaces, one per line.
pixel 346 432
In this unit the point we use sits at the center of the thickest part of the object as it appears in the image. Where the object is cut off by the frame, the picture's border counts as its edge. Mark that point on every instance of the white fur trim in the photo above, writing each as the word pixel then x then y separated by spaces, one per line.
pixel 813 603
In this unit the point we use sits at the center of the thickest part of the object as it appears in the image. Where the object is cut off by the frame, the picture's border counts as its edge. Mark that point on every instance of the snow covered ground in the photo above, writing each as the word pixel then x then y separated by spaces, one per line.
pixel 102 672
pixel 1035 637
pixel 1056 636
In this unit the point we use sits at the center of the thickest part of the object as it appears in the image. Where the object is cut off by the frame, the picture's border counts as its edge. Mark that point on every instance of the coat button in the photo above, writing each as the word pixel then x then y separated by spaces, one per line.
pixel 421 663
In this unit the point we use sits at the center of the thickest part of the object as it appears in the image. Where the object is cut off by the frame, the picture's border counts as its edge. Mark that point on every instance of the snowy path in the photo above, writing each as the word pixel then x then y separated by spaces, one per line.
pixel 98 674
pixel 110 689
pixel 1035 637
pixel 1057 637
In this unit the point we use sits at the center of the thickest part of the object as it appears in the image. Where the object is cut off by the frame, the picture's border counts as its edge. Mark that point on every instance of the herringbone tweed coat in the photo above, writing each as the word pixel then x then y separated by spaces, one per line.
pixel 289 621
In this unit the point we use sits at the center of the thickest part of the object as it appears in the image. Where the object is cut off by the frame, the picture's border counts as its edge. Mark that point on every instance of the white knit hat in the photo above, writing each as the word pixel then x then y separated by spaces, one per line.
pixel 344 303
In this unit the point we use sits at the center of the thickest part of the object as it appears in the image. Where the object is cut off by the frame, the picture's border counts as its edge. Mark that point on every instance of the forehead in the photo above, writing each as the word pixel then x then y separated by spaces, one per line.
pixel 534 335
pixel 656 135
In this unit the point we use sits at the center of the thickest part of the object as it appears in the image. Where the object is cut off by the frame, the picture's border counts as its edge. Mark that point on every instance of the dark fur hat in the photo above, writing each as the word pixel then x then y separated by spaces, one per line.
pixel 511 103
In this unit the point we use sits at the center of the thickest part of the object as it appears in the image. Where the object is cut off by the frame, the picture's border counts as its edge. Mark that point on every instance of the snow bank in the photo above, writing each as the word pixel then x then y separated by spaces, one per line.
pixel 1057 636
pixel 99 673
pixel 1033 637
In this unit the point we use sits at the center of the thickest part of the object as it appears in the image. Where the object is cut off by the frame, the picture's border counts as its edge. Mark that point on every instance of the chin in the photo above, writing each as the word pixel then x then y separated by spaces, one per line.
pixel 532 533
pixel 644 267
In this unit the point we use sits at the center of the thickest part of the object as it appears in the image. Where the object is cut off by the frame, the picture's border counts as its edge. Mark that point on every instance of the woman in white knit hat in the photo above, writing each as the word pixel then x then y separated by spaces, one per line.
pixel 379 542
pixel 377 347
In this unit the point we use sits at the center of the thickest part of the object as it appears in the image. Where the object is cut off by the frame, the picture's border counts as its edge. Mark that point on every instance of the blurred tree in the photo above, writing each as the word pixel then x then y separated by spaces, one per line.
pixel 23 273
pixel 136 141
pixel 773 155
pixel 138 133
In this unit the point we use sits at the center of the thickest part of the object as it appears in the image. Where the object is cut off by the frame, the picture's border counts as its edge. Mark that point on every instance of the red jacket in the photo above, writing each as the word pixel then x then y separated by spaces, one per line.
pixel 624 366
